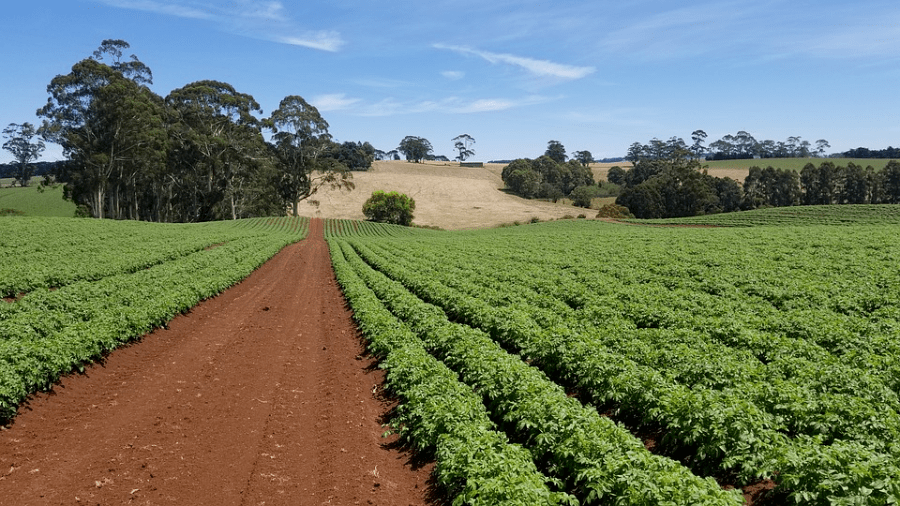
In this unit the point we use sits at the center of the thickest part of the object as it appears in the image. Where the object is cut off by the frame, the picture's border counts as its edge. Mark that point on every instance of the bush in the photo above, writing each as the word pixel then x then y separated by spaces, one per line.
pixel 614 211
pixel 583 195
pixel 390 207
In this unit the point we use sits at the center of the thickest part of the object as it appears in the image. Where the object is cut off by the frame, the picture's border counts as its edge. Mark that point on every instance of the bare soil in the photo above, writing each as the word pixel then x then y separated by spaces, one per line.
pixel 261 395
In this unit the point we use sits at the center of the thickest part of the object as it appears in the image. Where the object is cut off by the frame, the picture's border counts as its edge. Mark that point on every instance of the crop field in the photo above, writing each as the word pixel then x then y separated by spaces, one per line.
pixel 74 289
pixel 795 164
pixel 35 200
pixel 602 363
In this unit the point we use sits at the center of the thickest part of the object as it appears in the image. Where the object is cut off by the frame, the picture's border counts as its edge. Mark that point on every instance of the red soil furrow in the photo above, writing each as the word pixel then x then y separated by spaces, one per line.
pixel 259 395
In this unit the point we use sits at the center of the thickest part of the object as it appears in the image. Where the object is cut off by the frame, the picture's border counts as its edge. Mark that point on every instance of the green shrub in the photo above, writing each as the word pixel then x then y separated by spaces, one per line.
pixel 390 207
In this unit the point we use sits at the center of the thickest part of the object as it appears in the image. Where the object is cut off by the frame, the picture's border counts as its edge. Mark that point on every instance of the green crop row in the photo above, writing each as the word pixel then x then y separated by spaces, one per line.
pixel 766 352
pixel 50 332
pixel 475 463
pixel 54 252
pixel 597 459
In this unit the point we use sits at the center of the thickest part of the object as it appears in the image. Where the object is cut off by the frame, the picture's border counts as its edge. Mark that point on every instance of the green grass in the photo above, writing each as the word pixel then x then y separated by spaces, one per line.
pixel 796 164
pixel 31 201
pixel 858 214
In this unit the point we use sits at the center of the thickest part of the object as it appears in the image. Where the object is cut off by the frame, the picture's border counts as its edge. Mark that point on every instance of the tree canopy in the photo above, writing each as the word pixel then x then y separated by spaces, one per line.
pixel 462 143
pixel 20 141
pixel 390 207
pixel 197 155
pixel 415 149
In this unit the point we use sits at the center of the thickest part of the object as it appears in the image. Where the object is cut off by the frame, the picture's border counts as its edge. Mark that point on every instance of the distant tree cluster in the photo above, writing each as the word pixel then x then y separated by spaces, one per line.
pixel 549 176
pixel 676 185
pixel 889 152
pixel 197 154
pixel 730 147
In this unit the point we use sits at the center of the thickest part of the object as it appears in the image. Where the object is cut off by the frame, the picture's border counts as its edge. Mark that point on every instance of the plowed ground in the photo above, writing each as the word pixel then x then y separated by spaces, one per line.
pixel 262 395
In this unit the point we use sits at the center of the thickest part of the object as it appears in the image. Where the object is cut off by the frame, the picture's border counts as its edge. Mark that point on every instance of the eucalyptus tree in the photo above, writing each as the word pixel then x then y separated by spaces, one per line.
pixel 699 137
pixel 302 143
pixel 556 151
pixel 25 149
pixel 462 144
pixel 584 157
pixel 110 126
pixel 217 142
pixel 415 149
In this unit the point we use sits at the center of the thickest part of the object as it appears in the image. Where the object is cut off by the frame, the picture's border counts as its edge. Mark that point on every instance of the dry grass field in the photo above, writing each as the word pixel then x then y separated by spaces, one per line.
pixel 447 196
pixel 453 197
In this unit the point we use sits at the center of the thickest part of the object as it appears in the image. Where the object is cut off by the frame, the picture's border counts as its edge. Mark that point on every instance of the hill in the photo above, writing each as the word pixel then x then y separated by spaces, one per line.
pixel 447 196
pixel 35 201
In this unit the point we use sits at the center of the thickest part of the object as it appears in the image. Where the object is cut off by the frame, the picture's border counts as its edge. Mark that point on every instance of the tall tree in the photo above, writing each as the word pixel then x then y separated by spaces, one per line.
pixel 111 127
pixel 556 151
pixel 20 142
pixel 462 144
pixel 699 137
pixel 302 142
pixel 584 157
pixel 415 149
pixel 215 141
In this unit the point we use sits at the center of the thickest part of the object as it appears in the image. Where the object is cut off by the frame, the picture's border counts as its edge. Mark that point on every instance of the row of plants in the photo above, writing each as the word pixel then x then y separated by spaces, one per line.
pixel 597 459
pixel 54 252
pixel 441 416
pixel 806 389
pixel 750 366
pixel 49 332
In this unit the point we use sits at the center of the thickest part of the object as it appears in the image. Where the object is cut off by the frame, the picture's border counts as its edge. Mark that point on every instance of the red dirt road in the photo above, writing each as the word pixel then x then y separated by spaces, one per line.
pixel 260 395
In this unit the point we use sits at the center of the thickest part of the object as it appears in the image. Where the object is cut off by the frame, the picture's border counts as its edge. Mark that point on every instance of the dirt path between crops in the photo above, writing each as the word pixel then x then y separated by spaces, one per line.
pixel 258 396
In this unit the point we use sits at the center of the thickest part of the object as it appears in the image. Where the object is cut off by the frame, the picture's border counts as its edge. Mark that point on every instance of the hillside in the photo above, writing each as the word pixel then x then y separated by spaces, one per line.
pixel 446 195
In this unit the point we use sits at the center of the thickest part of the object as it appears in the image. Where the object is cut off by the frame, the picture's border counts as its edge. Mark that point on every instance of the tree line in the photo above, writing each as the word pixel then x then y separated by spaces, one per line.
pixel 730 147
pixel 677 185
pixel 198 154
pixel 553 176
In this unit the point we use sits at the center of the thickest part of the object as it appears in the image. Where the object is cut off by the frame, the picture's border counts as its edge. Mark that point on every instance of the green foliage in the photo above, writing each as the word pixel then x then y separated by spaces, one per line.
pixel 556 152
pixel 389 207
pixel 83 287
pixel 302 143
pixel 751 353
pixel 37 201
pixel 583 195
pixel 415 149
pixel 356 156
pixel 545 177
pixel 462 143
pixel 24 149
pixel 616 175
pixel 197 155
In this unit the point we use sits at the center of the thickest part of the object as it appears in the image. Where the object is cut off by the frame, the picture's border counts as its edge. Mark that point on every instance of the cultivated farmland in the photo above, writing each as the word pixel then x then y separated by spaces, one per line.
pixel 642 365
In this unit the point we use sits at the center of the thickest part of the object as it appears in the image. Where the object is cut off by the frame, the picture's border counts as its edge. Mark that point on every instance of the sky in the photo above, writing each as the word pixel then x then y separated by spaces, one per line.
pixel 593 75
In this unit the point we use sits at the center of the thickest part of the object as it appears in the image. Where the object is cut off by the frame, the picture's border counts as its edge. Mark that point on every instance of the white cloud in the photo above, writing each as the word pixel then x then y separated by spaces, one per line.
pixel 261 20
pixel 333 102
pixel 448 105
pixel 325 41
pixel 453 75
pixel 542 68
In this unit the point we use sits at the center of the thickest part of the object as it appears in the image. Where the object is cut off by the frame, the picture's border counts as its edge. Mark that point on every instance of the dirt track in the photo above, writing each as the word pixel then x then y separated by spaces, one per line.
pixel 261 395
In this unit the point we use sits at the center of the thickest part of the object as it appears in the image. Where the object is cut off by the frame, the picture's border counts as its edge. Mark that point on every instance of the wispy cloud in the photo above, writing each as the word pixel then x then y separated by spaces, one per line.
pixel 333 102
pixel 449 105
pixel 543 68
pixel 261 20
pixel 453 75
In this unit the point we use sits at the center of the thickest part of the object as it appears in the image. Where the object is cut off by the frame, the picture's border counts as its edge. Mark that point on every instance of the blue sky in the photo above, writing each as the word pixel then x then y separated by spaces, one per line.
pixel 594 75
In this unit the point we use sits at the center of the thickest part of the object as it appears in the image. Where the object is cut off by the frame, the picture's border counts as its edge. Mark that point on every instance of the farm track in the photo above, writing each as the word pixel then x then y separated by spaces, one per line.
pixel 262 394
